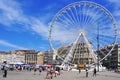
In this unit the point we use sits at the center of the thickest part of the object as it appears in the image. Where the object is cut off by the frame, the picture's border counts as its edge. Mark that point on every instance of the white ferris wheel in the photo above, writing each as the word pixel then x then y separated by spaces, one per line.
pixel 89 20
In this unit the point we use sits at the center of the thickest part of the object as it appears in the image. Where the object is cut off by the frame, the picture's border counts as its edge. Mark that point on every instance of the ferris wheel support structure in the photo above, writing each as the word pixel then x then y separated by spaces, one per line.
pixel 71 52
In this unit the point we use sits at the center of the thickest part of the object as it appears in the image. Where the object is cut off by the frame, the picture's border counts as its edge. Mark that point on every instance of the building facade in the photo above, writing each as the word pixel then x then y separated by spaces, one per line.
pixel 80 54
pixel 48 59
pixel 22 56
pixel 3 56
pixel 112 61
pixel 40 58
pixel 28 56
pixel 31 58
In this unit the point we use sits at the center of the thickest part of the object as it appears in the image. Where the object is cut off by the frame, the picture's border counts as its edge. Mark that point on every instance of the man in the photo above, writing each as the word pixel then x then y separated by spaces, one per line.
pixel 86 72
pixel 5 71
pixel 79 70
pixel 94 72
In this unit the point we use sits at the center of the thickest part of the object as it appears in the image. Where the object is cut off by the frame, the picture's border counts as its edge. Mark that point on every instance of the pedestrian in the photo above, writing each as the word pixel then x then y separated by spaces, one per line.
pixel 86 72
pixel 94 72
pixel 40 70
pixel 5 71
pixel 35 70
pixel 48 73
pixel 79 70
pixel 57 71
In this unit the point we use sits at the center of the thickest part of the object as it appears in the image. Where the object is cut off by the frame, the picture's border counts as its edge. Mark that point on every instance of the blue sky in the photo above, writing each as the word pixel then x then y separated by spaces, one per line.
pixel 24 24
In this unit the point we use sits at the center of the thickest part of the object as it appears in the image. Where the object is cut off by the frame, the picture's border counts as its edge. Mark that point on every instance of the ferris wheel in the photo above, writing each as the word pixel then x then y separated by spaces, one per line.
pixel 87 19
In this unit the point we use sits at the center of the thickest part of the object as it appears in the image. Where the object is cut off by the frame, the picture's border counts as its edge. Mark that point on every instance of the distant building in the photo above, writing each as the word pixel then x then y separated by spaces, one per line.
pixel 28 56
pixel 3 56
pixel 48 59
pixel 23 56
pixel 62 53
pixel 80 54
pixel 31 58
pixel 13 57
pixel 25 51
pixel 40 58
pixel 21 53
pixel 113 60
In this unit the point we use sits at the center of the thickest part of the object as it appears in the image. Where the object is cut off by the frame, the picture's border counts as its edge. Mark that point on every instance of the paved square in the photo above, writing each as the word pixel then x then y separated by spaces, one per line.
pixel 66 75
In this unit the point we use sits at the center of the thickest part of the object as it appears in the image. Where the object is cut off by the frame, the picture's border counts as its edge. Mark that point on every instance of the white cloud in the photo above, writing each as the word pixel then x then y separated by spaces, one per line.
pixel 4 43
pixel 115 1
pixel 39 27
pixel 11 13
pixel 116 8
pixel 116 13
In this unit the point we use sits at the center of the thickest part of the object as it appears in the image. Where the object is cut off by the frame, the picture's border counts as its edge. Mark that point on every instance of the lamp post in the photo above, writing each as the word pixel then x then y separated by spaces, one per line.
pixel 98 46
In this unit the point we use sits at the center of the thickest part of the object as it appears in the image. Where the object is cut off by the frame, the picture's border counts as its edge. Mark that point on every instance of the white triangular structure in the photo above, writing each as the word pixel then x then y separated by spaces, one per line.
pixel 69 57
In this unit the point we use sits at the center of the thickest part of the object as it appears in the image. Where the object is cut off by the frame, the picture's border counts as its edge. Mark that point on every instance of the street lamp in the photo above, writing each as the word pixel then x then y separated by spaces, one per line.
pixel 98 45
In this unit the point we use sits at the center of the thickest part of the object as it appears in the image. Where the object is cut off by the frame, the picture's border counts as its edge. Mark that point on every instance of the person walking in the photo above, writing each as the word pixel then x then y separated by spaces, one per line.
pixel 35 69
pixel 48 73
pixel 40 70
pixel 5 71
pixel 79 70
pixel 94 72
pixel 86 72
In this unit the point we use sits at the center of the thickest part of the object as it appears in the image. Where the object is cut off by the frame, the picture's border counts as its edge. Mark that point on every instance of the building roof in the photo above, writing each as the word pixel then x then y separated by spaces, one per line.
pixel 40 53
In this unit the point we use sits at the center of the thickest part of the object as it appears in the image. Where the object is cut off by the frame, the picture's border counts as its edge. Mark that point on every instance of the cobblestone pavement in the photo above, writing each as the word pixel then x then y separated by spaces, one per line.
pixel 66 75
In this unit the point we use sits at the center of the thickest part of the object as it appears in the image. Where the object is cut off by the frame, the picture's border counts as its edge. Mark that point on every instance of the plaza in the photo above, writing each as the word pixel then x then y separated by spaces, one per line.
pixel 65 75
pixel 40 38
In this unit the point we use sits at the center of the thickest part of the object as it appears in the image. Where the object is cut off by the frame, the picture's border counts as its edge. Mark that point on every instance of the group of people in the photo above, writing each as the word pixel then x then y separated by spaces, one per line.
pixel 94 72
pixel 86 70
pixel 40 70
pixel 52 72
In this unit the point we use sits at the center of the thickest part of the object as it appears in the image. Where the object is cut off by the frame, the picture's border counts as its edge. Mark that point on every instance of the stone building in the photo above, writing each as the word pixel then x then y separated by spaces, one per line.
pixel 3 56
pixel 40 58
pixel 80 54
pixel 22 56
pixel 48 59
pixel 112 61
